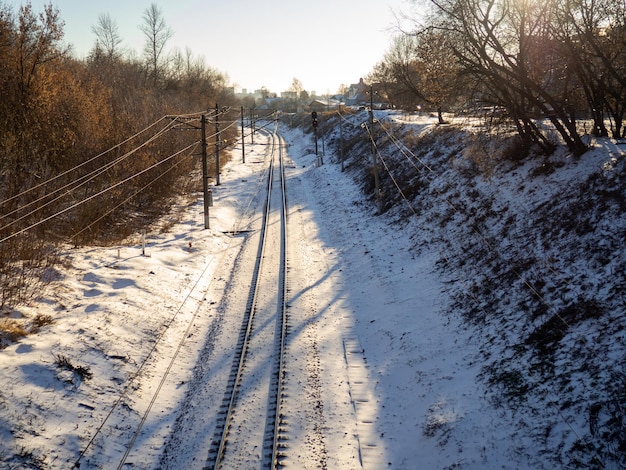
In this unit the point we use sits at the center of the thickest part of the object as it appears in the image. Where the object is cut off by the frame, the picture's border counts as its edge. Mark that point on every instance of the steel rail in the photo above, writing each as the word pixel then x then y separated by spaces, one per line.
pixel 273 422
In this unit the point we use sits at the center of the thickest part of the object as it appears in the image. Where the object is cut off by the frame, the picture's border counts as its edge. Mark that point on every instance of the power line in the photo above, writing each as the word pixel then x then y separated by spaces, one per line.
pixel 86 179
pixel 79 203
pixel 136 192
pixel 81 164
pixel 81 181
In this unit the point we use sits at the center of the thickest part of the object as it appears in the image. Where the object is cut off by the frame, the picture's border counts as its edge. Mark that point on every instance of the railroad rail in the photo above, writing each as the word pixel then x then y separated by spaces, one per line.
pixel 255 386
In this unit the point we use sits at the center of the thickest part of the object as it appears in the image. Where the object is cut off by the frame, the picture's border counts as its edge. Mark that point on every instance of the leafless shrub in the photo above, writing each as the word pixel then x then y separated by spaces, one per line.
pixel 24 262
pixel 40 321
pixel 63 362
pixel 481 153
pixel 486 151
pixel 28 459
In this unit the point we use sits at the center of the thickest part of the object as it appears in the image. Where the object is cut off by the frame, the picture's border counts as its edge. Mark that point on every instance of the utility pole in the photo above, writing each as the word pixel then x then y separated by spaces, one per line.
pixel 206 192
pixel 252 124
pixel 374 164
pixel 217 145
pixel 243 139
pixel 341 137
pixel 205 171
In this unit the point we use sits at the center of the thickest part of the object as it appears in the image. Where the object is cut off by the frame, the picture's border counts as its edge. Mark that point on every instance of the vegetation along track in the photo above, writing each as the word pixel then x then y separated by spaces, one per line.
pixel 255 387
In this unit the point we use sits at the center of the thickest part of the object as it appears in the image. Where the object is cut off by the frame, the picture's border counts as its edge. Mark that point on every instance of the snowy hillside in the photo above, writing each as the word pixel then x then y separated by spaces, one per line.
pixel 532 256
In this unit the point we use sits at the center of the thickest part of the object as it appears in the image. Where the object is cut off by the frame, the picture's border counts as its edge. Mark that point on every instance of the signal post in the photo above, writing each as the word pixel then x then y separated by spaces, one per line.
pixel 320 161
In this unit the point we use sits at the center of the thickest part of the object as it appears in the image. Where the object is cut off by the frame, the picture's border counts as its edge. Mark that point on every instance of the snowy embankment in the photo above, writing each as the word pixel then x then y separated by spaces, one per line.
pixel 531 254
pixel 486 304
pixel 126 327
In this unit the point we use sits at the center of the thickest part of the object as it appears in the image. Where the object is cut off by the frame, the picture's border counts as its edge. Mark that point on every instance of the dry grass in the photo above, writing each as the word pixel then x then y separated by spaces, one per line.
pixel 14 329
pixel 11 330
pixel 487 151
pixel 40 321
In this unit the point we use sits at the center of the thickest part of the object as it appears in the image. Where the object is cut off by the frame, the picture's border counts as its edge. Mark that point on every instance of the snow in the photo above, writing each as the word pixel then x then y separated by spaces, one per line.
pixel 376 321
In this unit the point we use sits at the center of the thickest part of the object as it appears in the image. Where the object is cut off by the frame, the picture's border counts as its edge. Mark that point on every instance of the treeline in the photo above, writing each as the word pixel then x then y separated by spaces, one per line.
pixel 561 60
pixel 69 169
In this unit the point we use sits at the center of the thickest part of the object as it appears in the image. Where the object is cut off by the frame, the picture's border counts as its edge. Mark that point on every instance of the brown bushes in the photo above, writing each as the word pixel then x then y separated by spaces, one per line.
pixel 64 176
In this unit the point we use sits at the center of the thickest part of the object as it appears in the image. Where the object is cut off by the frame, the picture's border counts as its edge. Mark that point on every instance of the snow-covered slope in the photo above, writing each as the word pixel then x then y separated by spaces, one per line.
pixel 532 256
pixel 486 304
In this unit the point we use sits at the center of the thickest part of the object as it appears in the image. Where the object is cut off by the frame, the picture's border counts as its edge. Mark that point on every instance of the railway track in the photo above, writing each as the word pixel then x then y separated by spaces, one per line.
pixel 248 433
pixel 249 429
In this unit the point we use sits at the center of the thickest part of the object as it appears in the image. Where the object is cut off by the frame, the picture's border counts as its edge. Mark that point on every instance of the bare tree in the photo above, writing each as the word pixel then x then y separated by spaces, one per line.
pixel 499 46
pixel 296 86
pixel 107 36
pixel 399 73
pixel 593 35
pixel 37 40
pixel 420 69
pixel 157 35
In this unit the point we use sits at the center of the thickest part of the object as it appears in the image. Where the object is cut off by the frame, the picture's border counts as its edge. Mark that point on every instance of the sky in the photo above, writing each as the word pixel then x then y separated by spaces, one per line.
pixel 322 43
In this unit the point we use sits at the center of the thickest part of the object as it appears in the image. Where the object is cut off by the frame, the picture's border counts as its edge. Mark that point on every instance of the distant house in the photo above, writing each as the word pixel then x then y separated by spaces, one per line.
pixel 324 104
pixel 289 95
pixel 268 104
pixel 358 94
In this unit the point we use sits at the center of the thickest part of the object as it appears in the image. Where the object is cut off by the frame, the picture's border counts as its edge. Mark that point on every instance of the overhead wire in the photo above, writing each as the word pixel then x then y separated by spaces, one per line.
pixel 143 188
pixel 93 196
pixel 481 236
pixel 125 390
pixel 380 157
pixel 83 180
pixel 154 397
pixel 89 177
pixel 476 231
pixel 170 365
pixel 124 393
pixel 43 183
pixel 208 112
pixel 91 160
pixel 78 183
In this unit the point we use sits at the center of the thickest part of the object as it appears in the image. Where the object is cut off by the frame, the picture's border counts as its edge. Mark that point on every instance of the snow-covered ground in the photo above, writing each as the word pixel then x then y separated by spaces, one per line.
pixel 404 370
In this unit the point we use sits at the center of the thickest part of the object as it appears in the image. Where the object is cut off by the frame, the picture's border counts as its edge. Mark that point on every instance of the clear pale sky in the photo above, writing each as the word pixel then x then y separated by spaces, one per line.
pixel 322 43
